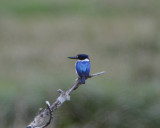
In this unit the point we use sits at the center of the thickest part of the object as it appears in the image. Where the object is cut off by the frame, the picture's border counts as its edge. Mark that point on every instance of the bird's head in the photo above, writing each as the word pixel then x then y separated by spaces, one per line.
pixel 80 57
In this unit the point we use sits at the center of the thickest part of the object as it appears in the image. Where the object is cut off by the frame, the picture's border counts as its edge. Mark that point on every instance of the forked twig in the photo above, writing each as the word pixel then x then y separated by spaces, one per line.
pixel 50 115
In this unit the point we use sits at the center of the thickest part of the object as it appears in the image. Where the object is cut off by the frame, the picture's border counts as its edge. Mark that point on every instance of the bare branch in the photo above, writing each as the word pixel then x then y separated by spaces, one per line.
pixel 44 117
pixel 96 74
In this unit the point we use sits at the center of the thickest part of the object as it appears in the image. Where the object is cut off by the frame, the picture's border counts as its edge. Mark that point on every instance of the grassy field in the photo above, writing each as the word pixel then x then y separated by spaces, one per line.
pixel 121 37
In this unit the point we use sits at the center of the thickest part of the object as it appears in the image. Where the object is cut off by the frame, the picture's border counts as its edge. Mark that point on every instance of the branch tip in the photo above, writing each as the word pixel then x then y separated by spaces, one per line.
pixel 47 103
pixel 96 74
pixel 60 90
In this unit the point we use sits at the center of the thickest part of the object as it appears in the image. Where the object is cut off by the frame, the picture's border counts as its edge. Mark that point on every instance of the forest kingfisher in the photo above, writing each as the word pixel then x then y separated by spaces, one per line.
pixel 82 66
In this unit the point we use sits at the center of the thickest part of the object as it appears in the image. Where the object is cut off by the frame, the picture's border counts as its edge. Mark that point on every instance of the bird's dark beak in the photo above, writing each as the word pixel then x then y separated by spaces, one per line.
pixel 74 57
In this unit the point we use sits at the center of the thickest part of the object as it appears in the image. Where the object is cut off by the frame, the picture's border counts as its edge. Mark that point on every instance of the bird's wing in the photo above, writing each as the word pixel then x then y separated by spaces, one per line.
pixel 83 68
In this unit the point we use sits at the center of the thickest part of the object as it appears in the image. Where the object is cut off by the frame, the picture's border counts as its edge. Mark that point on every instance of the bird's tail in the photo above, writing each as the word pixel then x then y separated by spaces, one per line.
pixel 83 80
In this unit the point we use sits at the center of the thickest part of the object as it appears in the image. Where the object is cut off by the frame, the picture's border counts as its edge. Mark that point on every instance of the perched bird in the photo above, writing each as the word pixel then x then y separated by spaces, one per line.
pixel 82 66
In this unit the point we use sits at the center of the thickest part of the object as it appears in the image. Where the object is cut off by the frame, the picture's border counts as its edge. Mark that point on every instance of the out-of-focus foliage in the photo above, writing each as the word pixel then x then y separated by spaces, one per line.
pixel 120 36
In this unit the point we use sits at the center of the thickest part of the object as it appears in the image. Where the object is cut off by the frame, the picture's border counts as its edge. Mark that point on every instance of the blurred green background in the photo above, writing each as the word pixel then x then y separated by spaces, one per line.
pixel 121 37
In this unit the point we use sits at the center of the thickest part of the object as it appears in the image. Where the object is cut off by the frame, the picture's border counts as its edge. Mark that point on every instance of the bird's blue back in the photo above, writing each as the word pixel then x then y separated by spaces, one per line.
pixel 83 68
